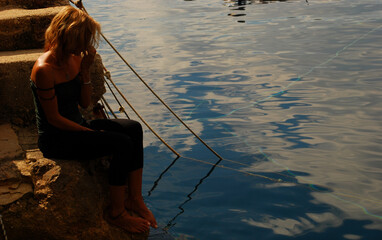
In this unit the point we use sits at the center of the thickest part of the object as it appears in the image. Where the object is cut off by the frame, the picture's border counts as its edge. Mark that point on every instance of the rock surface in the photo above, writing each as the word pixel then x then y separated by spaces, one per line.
pixel 53 199
pixel 32 3
pixel 24 28
pixel 9 146
pixel 15 93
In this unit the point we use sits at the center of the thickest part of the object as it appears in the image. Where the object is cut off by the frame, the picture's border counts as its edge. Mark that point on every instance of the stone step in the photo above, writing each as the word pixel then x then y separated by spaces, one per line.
pixel 24 28
pixel 15 94
pixel 32 3
pixel 9 144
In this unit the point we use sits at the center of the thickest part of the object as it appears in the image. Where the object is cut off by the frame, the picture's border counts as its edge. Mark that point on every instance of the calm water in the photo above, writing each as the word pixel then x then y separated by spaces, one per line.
pixel 288 93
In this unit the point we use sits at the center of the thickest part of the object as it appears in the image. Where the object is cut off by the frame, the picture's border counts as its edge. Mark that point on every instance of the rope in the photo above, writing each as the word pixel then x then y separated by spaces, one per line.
pixel 121 108
pixel 189 198
pixel 108 107
pixel 108 76
pixel 3 227
pixel 156 95
pixel 79 5
pixel 103 103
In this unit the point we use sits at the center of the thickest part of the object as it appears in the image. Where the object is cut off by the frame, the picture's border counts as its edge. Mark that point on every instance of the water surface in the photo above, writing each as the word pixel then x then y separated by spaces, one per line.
pixel 288 93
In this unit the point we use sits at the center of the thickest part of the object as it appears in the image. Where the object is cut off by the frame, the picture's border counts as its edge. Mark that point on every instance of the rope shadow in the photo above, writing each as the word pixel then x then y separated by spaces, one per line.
pixel 189 198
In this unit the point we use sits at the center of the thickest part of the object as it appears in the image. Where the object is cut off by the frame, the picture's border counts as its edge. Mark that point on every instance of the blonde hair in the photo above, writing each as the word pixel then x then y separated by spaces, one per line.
pixel 71 30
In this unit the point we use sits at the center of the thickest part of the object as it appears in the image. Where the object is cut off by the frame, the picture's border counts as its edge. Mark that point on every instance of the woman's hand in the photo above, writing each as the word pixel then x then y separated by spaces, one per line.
pixel 88 59
pixel 86 89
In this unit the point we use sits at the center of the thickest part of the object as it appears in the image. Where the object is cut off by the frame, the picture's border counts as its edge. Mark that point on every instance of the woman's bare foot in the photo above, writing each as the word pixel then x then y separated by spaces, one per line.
pixel 138 206
pixel 129 223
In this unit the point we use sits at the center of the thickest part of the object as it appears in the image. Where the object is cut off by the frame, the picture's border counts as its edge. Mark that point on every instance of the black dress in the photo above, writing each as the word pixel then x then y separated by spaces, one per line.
pixel 120 138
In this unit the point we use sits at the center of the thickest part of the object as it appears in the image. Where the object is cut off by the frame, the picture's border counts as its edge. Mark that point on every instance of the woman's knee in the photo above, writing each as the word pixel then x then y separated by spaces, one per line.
pixel 137 127
pixel 131 128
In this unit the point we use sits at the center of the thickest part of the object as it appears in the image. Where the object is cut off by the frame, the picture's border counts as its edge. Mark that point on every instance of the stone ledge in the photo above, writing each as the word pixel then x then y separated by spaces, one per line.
pixel 18 13
pixel 12 184
pixel 32 3
pixel 11 57
pixel 15 93
pixel 9 144
pixel 24 29
pixel 55 199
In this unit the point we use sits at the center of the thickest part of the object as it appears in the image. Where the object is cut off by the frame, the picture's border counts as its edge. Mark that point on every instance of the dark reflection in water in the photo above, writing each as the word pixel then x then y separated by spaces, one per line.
pixel 289 131
pixel 349 229
pixel 248 2
pixel 269 1
pixel 283 184
pixel 236 15
pixel 254 209
pixel 161 175
pixel 240 5
pixel 243 2
pixel 189 198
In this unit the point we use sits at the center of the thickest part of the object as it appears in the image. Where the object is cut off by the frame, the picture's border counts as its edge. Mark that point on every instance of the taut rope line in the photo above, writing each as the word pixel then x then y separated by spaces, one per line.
pixel 3 227
pixel 108 106
pixel 121 108
pixel 103 102
pixel 108 76
pixel 79 5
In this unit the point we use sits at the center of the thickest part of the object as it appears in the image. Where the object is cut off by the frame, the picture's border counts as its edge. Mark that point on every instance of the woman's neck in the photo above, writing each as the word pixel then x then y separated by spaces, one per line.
pixel 58 59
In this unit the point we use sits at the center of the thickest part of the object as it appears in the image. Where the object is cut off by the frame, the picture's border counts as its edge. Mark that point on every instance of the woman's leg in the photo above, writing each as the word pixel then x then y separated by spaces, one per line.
pixel 118 215
pixel 135 201
pixel 92 144
pixel 133 130
pixel 130 128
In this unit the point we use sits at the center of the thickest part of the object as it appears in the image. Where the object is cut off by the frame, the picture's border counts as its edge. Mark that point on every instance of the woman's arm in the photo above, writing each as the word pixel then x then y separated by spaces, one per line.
pixel 86 87
pixel 47 96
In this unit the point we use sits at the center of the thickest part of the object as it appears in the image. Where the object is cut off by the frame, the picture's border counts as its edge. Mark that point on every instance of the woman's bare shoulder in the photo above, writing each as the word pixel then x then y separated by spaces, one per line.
pixel 42 71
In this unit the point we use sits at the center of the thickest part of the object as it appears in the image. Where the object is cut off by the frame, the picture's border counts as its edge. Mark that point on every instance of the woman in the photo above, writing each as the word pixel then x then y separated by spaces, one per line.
pixel 60 81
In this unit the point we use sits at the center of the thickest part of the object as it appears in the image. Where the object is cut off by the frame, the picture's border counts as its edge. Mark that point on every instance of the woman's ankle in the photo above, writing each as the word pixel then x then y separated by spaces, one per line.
pixel 135 198
pixel 115 212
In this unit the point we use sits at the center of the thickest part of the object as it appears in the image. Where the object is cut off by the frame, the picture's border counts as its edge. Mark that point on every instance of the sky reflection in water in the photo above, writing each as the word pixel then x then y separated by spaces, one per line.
pixel 287 92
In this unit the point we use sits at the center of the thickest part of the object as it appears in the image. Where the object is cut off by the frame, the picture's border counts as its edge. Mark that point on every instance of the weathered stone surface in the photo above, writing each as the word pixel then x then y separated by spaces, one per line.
pixel 9 144
pixel 63 200
pixel 33 3
pixel 12 184
pixel 51 199
pixel 97 78
pixel 12 172
pixel 24 29
pixel 28 137
pixel 11 193
pixel 98 86
pixel 15 93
